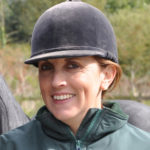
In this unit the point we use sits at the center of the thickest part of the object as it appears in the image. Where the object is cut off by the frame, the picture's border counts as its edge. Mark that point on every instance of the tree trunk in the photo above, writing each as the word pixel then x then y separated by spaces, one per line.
pixel 2 25
pixel 134 90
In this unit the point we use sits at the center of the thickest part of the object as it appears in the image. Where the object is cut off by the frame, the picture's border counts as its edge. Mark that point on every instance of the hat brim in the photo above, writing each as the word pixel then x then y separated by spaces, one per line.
pixel 66 54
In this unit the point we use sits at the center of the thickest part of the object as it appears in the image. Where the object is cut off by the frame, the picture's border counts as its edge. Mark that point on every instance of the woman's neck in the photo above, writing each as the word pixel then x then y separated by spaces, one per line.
pixel 75 122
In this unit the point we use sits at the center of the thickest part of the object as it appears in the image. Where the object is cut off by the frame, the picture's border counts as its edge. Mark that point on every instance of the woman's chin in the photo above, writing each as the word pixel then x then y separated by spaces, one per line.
pixel 63 116
pixel 67 117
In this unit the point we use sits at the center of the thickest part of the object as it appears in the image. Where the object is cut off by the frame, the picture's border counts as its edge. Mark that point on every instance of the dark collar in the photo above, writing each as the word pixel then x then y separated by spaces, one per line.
pixel 96 124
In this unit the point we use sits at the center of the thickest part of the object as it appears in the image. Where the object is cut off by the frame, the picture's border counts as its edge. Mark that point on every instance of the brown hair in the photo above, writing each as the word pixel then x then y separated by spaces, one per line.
pixel 105 62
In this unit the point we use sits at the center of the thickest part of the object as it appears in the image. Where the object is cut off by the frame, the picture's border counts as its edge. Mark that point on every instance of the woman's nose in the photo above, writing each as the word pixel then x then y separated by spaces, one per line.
pixel 58 80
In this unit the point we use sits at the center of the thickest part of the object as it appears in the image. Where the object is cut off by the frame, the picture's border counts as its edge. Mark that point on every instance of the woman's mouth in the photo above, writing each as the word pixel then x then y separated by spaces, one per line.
pixel 62 97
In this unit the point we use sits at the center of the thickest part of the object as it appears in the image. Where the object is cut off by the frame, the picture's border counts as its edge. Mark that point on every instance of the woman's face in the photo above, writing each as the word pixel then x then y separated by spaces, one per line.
pixel 70 86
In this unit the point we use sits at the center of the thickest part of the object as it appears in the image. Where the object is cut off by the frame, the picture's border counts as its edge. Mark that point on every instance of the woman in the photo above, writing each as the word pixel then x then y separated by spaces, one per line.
pixel 74 48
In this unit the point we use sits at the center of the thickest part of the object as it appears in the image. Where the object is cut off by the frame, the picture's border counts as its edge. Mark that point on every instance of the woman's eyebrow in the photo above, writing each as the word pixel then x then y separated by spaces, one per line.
pixel 44 61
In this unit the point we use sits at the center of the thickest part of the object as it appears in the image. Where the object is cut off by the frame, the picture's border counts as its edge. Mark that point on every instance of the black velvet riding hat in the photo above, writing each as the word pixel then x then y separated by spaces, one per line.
pixel 72 29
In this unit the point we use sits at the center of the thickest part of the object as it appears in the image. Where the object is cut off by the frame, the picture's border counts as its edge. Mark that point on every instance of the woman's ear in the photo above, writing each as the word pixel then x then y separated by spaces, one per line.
pixel 109 74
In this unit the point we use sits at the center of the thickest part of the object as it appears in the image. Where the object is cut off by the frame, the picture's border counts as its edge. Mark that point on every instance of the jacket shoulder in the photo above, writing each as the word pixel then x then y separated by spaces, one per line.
pixel 19 136
pixel 134 138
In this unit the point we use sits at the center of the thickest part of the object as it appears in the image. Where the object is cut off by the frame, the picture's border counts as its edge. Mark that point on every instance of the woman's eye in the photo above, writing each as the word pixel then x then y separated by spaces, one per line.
pixel 72 66
pixel 46 67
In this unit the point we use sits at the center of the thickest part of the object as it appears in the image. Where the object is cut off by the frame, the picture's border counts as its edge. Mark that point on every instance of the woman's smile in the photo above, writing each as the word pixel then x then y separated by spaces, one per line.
pixel 62 98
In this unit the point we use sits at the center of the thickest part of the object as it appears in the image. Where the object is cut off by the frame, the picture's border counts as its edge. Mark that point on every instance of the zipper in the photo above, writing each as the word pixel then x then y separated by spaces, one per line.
pixel 91 125
pixel 77 141
pixel 78 145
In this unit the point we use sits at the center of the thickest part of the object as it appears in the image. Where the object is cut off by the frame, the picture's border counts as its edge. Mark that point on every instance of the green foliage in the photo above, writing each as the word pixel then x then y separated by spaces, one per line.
pixel 133 34
pixel 100 4
pixel 2 37
pixel 116 5
pixel 22 17
pixel 3 6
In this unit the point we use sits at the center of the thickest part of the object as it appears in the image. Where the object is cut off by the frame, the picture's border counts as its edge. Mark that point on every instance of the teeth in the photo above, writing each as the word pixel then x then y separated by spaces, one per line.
pixel 62 97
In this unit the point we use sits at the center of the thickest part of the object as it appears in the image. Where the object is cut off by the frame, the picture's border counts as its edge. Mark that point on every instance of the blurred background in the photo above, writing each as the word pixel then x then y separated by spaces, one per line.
pixel 131 22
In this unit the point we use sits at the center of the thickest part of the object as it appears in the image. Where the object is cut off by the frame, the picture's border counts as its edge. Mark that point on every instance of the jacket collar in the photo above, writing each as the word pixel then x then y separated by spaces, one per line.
pixel 96 124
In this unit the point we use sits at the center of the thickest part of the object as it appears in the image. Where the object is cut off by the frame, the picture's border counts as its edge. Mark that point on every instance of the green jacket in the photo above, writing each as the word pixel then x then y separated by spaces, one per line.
pixel 105 129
